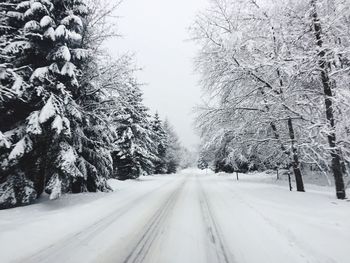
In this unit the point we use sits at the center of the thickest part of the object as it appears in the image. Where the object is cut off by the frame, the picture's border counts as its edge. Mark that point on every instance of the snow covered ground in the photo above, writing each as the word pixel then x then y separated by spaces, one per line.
pixel 189 217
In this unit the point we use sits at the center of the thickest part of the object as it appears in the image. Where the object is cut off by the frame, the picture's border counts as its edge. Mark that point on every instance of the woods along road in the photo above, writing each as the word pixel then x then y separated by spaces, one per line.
pixel 189 217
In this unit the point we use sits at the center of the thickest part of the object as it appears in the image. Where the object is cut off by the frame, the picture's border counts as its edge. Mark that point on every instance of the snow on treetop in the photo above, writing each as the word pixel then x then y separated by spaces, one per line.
pixel 61 31
pixel 13 14
pixel 57 124
pixel 80 53
pixel 50 34
pixel 48 4
pixel 62 53
pixel 17 85
pixel 48 111
pixel 23 5
pixel 68 69
pixel 72 20
pixel 54 68
pixel 81 9
pixel 33 126
pixel 74 37
pixel 46 21
pixel 56 187
pixel 22 147
pixel 35 7
pixel 40 74
pixel 32 26
pixel 67 160
pixel 4 142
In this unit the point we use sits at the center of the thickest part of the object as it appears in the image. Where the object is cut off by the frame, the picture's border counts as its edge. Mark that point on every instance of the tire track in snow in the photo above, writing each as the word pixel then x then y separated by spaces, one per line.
pixel 68 245
pixel 214 232
pixel 140 251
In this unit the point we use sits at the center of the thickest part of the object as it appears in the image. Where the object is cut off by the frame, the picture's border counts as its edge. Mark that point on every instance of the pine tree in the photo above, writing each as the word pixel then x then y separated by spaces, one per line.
pixel 47 140
pixel 135 151
pixel 173 151
pixel 161 140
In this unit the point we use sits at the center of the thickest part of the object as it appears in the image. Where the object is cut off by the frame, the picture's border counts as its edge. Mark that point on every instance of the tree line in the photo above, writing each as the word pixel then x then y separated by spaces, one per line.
pixel 276 78
pixel 71 117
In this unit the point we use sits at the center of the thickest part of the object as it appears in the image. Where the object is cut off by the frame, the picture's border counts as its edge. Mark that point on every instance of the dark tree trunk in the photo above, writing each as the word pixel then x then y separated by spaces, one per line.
pixel 322 63
pixel 295 164
pixel 290 182
pixel 295 159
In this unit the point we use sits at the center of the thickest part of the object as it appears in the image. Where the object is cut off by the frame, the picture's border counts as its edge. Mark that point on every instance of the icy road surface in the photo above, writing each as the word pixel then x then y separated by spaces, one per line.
pixel 186 218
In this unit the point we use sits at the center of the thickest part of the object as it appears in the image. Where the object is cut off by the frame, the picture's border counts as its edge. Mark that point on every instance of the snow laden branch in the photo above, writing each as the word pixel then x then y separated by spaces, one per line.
pixel 276 78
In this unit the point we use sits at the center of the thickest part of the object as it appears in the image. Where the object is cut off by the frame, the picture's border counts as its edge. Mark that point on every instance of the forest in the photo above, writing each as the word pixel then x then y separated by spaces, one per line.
pixel 71 116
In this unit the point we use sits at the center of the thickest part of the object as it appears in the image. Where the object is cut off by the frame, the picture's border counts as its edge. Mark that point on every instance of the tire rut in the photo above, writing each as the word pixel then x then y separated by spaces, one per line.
pixel 83 236
pixel 214 232
pixel 140 251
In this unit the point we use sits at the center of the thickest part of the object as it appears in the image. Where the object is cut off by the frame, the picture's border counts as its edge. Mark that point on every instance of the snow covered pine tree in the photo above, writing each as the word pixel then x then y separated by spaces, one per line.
pixel 161 139
pixel 173 151
pixel 41 135
pixel 135 150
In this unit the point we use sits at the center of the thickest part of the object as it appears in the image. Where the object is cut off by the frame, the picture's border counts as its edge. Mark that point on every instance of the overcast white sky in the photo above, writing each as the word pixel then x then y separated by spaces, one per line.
pixel 157 30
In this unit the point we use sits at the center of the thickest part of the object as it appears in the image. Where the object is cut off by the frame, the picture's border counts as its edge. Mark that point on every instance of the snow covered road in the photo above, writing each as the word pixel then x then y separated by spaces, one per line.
pixel 190 217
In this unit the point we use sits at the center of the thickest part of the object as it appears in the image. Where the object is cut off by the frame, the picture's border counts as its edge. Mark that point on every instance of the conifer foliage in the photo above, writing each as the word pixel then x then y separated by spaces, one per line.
pixel 161 137
pixel 42 137
pixel 173 151
pixel 134 152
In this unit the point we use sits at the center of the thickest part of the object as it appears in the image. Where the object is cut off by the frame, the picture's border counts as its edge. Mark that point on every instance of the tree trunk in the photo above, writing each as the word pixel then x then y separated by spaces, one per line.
pixel 295 164
pixel 290 181
pixel 295 159
pixel 322 63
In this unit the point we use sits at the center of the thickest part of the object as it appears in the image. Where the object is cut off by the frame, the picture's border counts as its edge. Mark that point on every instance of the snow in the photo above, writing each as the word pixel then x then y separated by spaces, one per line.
pixel 17 46
pixel 80 53
pixel 17 85
pixel 66 126
pixel 48 111
pixel 50 34
pixel 56 188
pixel 32 26
pixel 40 74
pixel 68 20
pixel 33 126
pixel 194 216
pixel 17 15
pixel 74 37
pixel 23 5
pixel 46 21
pixel 68 69
pixel 57 124
pixel 7 194
pixel 62 53
pixel 4 142
pixel 25 145
pixel 82 9
pixel 68 157
pixel 60 31
pixel 34 8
